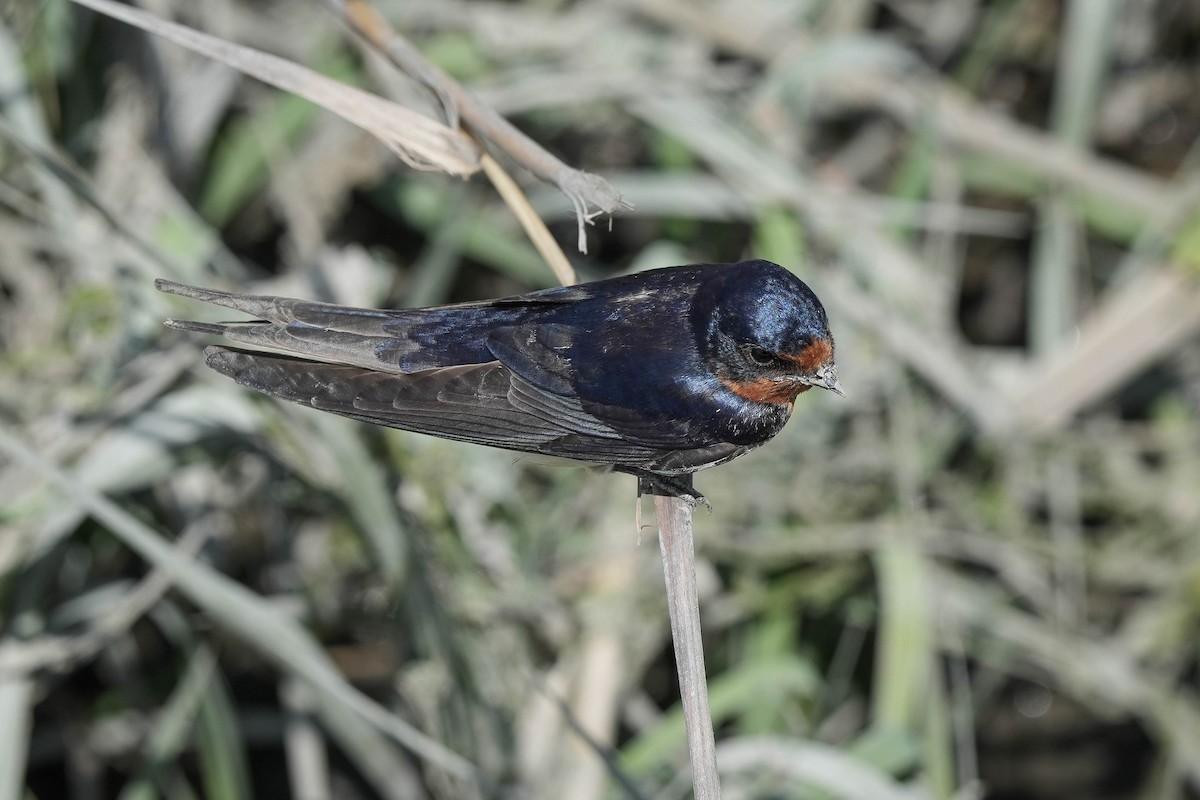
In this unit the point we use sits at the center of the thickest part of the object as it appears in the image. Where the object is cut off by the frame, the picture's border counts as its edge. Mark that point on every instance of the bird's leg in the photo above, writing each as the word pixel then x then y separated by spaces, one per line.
pixel 654 483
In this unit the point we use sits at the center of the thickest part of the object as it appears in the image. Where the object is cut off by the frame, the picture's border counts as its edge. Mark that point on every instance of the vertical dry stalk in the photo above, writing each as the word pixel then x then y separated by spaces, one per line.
pixel 674 515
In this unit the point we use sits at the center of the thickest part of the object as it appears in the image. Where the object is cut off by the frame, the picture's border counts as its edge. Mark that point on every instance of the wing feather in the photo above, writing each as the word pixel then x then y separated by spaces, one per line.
pixel 470 403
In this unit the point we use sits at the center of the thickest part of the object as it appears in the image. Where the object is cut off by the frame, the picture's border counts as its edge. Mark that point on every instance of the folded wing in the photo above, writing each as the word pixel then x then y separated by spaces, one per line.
pixel 480 403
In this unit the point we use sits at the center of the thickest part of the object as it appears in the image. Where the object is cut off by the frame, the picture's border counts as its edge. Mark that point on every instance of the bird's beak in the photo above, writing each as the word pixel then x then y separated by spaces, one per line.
pixel 827 378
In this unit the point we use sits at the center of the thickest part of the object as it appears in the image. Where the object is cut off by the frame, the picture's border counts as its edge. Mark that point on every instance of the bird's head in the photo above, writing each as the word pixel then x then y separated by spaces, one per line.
pixel 765 332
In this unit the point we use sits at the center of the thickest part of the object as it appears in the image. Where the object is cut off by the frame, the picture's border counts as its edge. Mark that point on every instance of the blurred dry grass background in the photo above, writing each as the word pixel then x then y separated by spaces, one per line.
pixel 980 576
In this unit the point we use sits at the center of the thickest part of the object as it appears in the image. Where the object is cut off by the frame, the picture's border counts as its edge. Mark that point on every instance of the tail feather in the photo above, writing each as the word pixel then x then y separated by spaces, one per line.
pixel 286 310
pixel 320 331
pixel 255 305
pixel 398 342
pixel 216 328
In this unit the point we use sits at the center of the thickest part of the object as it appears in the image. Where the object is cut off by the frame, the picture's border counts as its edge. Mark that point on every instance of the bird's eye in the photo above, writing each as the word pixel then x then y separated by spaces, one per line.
pixel 760 356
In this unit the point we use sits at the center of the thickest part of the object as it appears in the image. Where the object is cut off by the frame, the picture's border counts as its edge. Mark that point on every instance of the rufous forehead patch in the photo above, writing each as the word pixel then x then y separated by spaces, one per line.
pixel 813 356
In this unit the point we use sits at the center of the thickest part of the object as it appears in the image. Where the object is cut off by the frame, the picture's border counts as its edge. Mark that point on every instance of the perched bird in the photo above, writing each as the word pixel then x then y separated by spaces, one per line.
pixel 658 374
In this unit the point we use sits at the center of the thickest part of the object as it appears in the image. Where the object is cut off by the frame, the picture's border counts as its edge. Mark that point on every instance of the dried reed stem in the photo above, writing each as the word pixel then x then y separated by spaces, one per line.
pixel 674 516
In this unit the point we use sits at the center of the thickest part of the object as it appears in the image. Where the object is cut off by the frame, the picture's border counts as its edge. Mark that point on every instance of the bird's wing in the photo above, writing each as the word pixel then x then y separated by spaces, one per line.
pixel 651 411
pixel 543 355
pixel 480 403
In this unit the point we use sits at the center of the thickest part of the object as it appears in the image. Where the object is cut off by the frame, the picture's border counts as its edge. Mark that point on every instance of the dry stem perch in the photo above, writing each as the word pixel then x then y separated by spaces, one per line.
pixel 678 551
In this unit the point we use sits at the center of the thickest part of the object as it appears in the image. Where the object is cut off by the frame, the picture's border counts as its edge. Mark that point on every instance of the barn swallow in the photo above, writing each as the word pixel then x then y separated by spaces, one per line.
pixel 658 374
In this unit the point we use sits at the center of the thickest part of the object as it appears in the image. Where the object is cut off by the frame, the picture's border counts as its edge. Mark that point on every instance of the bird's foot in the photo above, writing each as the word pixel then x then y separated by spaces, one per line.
pixel 681 486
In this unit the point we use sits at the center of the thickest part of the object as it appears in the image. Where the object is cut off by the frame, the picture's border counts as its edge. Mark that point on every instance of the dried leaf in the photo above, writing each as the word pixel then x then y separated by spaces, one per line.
pixel 421 142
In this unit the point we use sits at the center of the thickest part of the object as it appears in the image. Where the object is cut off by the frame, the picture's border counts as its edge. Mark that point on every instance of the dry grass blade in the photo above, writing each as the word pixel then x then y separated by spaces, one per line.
pixel 276 636
pixel 16 708
pixel 1085 55
pixel 58 654
pixel 966 123
pixel 363 19
pixel 928 355
pixel 1122 681
pixel 1135 326
pixel 812 764
pixel 918 98
pixel 763 176
pixel 535 227
pixel 420 141
pixel 584 189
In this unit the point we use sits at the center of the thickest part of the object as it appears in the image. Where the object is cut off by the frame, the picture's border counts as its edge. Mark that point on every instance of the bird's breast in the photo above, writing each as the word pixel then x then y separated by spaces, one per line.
pixel 747 417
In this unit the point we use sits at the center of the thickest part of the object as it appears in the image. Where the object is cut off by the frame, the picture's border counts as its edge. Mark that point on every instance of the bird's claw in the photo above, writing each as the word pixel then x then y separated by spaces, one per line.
pixel 670 486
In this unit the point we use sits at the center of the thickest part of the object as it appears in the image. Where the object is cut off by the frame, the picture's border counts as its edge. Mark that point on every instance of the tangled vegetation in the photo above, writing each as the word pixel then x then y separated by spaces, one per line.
pixel 979 576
